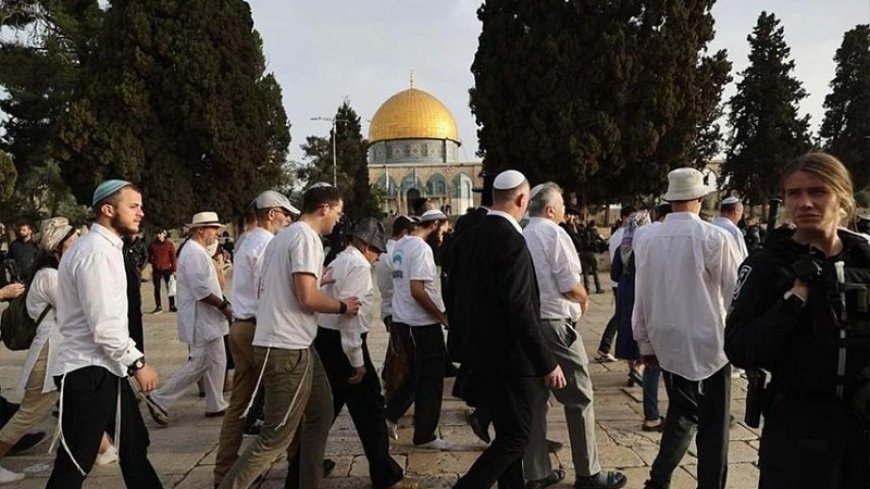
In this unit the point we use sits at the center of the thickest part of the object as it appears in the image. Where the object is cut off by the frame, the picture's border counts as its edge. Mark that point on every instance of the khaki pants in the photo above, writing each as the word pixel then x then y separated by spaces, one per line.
pixel 35 405
pixel 244 382
pixel 295 384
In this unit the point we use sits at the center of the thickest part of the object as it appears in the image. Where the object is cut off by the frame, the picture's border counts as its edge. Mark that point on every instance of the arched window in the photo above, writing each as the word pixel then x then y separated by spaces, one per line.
pixel 411 181
pixel 462 186
pixel 388 186
pixel 437 185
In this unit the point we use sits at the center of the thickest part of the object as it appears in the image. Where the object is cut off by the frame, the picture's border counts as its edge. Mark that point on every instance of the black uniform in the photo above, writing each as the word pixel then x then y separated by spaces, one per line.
pixel 812 437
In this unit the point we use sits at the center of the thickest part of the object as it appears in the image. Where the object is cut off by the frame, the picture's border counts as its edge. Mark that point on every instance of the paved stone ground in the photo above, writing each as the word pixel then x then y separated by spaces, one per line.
pixel 183 452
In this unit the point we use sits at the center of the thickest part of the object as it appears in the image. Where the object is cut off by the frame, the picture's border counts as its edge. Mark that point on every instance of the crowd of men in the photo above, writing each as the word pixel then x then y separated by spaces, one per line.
pixel 512 300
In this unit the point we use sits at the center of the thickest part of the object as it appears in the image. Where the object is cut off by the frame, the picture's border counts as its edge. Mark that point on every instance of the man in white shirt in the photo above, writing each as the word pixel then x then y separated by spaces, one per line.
pixel 203 315
pixel 97 352
pixel 686 272
pixel 274 212
pixel 730 213
pixel 341 344
pixel 292 375
pixel 399 345
pixel 419 308
pixel 563 300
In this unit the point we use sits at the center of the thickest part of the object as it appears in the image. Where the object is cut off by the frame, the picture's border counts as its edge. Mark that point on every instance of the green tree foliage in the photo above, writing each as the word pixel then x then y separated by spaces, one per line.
pixel 846 129
pixel 8 176
pixel 40 54
pixel 766 130
pixel 352 174
pixel 603 97
pixel 176 99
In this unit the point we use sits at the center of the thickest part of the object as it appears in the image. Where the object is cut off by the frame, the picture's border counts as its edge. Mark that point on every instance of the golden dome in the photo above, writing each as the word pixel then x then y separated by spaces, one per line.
pixel 413 114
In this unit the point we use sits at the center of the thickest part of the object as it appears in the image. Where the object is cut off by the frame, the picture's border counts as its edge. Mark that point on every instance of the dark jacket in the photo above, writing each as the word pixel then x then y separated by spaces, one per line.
pixel 495 327
pixel 798 345
pixel 24 253
pixel 161 256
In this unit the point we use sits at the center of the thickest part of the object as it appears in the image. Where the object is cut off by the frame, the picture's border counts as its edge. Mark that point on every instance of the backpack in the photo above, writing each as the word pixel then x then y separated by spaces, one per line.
pixel 17 328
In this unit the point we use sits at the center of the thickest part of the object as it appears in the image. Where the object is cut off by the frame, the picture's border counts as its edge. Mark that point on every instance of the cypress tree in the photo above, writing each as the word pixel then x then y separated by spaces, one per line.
pixel 766 130
pixel 360 197
pixel 603 97
pixel 176 99
pixel 846 128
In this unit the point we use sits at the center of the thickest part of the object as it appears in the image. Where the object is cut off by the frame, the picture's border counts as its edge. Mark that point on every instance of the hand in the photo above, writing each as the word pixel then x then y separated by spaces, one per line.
pixel 353 304
pixel 555 379
pixel 228 313
pixel 327 278
pixel 11 291
pixel 358 374
pixel 147 378
pixel 445 322
pixel 650 361
pixel 801 289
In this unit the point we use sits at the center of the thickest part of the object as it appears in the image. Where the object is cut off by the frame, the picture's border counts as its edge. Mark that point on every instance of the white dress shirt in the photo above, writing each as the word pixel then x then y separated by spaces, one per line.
pixel 247 266
pixel 413 260
pixel 41 293
pixel 736 233
pixel 686 272
pixel 92 306
pixel 557 267
pixel 384 274
pixel 198 321
pixel 353 278
pixel 281 321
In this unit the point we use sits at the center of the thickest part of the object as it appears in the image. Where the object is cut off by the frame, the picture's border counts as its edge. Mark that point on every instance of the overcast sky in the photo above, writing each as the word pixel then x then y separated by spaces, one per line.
pixel 324 51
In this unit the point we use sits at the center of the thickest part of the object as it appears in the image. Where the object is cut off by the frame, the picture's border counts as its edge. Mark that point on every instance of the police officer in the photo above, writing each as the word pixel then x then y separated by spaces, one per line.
pixel 800 312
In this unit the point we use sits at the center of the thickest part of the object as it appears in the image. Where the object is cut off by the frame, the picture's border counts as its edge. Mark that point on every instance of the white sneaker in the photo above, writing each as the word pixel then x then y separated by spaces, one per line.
pixel 107 457
pixel 436 444
pixel 392 430
pixel 7 476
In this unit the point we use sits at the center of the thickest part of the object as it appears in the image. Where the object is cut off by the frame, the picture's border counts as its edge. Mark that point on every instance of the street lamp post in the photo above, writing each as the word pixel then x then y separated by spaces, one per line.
pixel 333 120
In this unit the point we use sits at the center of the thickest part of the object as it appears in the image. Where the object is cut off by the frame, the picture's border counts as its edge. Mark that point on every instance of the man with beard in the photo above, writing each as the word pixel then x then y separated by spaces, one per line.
pixel 98 352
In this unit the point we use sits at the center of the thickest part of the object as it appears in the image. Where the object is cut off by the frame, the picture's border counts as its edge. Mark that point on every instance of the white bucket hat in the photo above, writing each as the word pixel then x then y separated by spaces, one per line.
pixel 686 184
pixel 205 220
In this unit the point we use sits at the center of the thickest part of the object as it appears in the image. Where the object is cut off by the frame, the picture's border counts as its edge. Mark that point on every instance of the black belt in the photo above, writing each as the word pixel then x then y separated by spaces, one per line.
pixel 251 319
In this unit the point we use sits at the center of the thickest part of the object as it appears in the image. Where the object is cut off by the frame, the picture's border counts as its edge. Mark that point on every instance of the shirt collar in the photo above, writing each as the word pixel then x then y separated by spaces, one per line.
pixel 507 216
pixel 542 221
pixel 113 238
pixel 682 216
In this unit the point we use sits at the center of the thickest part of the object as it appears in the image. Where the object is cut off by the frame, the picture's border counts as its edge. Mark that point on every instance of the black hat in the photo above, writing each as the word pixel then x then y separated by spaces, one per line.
pixel 372 232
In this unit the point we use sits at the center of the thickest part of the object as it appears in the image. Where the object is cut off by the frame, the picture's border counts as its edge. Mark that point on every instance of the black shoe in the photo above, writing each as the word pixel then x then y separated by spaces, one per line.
pixel 254 428
pixel 450 370
pixel 173 309
pixel 554 446
pixel 651 485
pixel 328 466
pixel 27 442
pixel 602 480
pixel 554 478
pixel 478 428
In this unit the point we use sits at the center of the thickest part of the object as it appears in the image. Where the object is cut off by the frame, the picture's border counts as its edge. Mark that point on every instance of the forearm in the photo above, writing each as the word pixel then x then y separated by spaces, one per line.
pixel 423 300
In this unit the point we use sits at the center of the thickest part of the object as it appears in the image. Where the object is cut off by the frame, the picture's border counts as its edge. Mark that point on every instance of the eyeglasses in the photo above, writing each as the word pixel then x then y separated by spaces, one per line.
pixel 338 213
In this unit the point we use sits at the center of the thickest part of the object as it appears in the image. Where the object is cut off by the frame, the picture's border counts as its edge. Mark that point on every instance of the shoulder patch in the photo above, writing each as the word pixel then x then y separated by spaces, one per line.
pixel 742 275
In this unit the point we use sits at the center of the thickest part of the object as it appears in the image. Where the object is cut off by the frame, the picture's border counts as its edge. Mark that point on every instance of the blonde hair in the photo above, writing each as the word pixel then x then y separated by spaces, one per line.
pixel 833 173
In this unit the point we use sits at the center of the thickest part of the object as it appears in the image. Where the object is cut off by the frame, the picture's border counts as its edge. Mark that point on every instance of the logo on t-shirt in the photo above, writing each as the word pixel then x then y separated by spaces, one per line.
pixel 397 265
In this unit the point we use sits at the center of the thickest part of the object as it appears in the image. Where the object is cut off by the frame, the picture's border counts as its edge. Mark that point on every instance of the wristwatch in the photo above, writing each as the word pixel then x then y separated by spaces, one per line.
pixel 342 307
pixel 224 304
pixel 136 365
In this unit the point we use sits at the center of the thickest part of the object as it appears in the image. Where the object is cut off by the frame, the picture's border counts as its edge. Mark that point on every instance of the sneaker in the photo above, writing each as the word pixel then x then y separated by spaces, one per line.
pixel 27 442
pixel 107 457
pixel 157 310
pixel 392 430
pixel 604 357
pixel 158 414
pixel 436 444
pixel 7 476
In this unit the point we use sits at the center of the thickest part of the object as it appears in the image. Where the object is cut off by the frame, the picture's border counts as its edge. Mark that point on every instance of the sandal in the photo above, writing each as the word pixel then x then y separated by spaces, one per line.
pixel 554 478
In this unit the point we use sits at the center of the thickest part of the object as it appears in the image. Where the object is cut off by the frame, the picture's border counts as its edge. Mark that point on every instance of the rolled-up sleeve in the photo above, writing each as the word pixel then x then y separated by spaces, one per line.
pixel 565 263
pixel 357 283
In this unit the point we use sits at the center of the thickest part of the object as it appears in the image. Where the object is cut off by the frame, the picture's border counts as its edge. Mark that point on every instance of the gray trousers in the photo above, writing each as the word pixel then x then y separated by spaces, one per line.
pixel 567 347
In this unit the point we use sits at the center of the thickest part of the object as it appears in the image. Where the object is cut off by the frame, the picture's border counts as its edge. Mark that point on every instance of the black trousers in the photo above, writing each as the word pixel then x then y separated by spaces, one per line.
pixel 364 403
pixel 589 260
pixel 610 330
pixel 811 442
pixel 156 277
pixel 510 400
pixel 423 386
pixel 696 405
pixel 90 397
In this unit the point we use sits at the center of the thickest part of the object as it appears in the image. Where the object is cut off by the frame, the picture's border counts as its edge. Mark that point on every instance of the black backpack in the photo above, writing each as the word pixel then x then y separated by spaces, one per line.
pixel 17 328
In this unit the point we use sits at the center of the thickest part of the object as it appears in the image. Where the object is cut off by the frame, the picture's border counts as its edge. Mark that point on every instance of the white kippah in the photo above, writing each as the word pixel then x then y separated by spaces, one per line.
pixel 508 179
pixel 730 200
pixel 433 215
pixel 536 190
